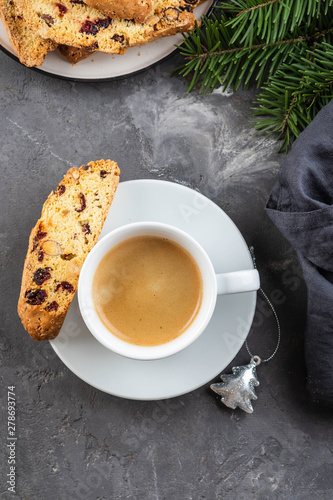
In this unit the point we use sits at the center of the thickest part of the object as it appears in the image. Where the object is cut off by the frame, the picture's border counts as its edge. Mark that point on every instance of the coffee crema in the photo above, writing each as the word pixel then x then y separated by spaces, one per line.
pixel 147 290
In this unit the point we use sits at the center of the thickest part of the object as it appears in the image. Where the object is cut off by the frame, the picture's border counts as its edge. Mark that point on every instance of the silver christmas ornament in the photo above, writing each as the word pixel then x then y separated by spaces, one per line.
pixel 237 389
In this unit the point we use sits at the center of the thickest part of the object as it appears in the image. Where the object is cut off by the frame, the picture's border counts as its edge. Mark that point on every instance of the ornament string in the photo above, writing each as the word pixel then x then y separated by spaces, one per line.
pixel 237 388
pixel 257 359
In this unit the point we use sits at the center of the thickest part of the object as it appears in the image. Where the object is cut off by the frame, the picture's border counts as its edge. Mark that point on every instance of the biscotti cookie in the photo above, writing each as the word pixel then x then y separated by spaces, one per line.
pixel 71 22
pixel 30 48
pixel 138 10
pixel 74 54
pixel 71 222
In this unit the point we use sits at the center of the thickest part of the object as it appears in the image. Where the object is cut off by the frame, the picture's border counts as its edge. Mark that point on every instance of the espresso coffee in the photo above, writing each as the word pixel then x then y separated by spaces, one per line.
pixel 147 290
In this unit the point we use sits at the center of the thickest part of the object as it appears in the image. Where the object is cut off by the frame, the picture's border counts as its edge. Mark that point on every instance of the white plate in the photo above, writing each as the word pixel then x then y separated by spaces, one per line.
pixel 107 66
pixel 155 200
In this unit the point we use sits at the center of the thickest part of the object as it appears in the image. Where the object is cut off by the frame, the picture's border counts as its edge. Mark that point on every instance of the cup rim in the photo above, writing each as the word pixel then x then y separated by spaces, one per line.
pixel 92 319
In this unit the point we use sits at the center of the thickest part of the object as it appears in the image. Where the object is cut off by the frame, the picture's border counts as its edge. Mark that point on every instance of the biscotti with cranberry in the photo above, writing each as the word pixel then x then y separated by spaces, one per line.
pixel 30 48
pixel 71 22
pixel 70 224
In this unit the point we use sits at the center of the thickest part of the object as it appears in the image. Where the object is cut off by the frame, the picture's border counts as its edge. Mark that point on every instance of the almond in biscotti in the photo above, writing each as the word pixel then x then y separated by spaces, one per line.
pixel 69 227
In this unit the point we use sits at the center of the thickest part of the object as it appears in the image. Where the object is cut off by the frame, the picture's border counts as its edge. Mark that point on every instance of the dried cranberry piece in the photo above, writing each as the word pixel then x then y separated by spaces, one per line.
pixel 83 203
pixel 89 28
pixel 61 189
pixel 92 47
pixel 62 9
pixel 85 167
pixel 86 229
pixel 53 306
pixel 65 286
pixel 47 19
pixel 42 275
pixel 103 173
pixel 41 234
pixel 118 38
pixel 41 256
pixel 35 245
pixel 103 23
pixel 35 297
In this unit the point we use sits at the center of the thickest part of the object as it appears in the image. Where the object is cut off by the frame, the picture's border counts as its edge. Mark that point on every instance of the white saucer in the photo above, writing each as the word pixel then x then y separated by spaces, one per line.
pixel 155 200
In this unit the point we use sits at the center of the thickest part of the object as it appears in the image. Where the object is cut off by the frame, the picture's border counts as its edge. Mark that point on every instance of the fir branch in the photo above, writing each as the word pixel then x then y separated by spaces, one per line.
pixel 258 6
pixel 271 20
pixel 289 111
pixel 222 63
pixel 207 54
pixel 284 46
pixel 288 104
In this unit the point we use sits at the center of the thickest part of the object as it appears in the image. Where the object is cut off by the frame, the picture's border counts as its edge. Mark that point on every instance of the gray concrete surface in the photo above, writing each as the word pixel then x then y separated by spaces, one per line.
pixel 75 442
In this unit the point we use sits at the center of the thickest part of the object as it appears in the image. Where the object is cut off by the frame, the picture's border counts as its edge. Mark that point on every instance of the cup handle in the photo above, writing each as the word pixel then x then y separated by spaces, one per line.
pixel 238 282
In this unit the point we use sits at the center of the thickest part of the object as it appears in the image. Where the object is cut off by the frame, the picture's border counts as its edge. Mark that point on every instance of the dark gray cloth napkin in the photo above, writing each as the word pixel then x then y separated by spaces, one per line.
pixel 301 206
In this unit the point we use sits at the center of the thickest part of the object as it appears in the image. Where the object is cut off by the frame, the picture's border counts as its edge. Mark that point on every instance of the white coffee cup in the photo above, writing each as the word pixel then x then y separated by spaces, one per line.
pixel 213 285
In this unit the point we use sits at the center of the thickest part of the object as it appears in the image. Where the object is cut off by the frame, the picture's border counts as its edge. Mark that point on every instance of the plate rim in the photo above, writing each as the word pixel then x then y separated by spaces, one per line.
pixel 106 79
pixel 201 384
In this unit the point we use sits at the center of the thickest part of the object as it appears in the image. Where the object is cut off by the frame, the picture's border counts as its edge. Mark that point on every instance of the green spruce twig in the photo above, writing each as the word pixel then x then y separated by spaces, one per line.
pixel 289 104
pixel 277 44
pixel 271 19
